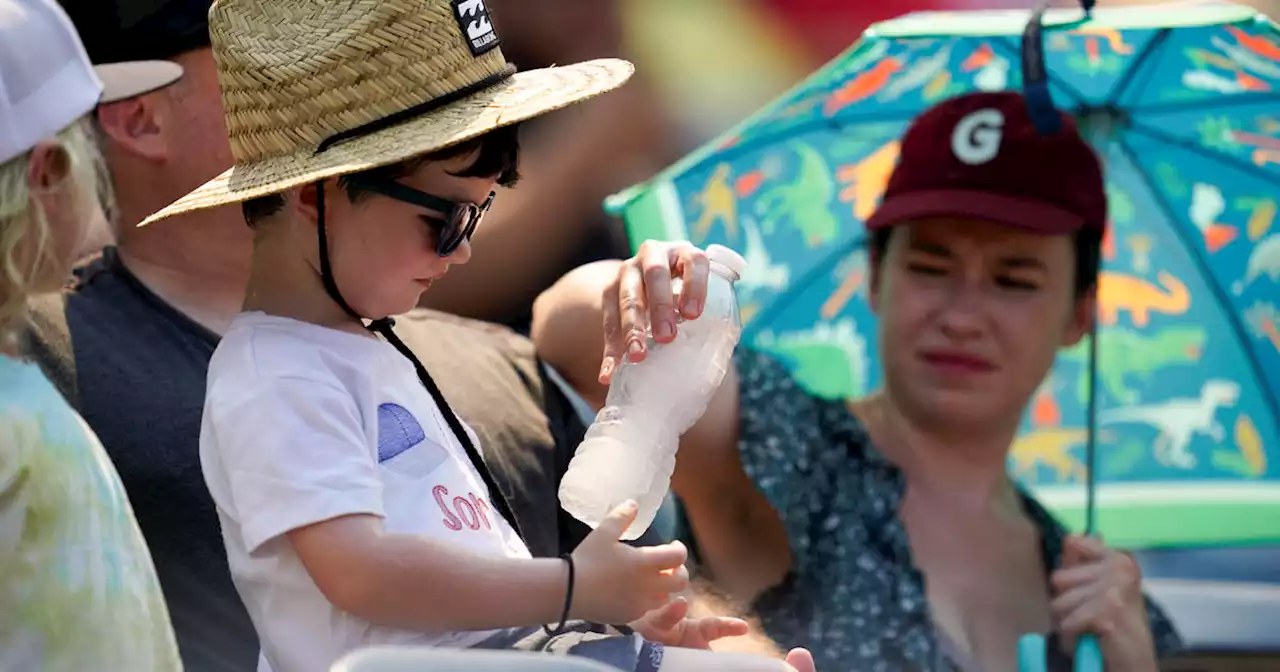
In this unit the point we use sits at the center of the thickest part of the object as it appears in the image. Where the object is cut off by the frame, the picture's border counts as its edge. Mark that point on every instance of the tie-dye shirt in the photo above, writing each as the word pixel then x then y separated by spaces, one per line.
pixel 78 590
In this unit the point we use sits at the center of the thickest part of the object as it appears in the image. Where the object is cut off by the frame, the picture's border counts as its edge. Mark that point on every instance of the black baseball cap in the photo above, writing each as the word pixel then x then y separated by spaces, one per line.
pixel 139 30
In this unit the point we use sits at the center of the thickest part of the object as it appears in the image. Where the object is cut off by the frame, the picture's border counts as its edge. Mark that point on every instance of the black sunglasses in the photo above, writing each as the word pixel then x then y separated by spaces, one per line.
pixel 460 220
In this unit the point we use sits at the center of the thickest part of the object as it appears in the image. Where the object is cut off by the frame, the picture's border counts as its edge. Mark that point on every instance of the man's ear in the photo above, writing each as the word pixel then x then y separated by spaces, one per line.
pixel 136 125
pixel 1083 313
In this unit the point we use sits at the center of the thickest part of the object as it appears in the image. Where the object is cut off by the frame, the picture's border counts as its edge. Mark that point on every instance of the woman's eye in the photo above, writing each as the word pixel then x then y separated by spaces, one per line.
pixel 1017 283
pixel 926 269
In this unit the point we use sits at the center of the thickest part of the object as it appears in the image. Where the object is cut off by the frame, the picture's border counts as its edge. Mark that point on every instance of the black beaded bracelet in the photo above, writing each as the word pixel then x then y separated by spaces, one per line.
pixel 568 599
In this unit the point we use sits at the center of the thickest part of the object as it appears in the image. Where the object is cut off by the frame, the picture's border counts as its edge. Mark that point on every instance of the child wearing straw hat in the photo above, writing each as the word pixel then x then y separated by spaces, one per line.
pixel 369 137
pixel 78 590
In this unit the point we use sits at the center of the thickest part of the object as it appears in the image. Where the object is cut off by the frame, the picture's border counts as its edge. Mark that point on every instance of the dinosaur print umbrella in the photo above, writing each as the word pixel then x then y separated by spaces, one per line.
pixel 1181 103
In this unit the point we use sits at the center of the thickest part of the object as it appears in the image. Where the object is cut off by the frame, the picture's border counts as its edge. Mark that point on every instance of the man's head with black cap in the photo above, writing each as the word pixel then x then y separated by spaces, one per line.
pixel 131 57
pixel 159 143
pixel 985 252
pixel 140 30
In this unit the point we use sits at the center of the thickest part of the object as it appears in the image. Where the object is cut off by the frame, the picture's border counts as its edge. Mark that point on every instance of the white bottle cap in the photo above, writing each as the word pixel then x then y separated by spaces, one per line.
pixel 727 258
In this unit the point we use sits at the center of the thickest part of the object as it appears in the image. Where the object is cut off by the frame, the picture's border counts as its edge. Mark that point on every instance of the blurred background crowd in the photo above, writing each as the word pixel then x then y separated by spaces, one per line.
pixel 703 67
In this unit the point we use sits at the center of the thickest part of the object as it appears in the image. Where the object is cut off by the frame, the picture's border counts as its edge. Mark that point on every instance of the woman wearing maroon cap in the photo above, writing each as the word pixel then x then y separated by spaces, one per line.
pixel 884 533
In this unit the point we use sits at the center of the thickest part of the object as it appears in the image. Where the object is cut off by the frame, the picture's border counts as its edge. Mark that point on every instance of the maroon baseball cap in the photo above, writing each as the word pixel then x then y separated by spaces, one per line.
pixel 980 156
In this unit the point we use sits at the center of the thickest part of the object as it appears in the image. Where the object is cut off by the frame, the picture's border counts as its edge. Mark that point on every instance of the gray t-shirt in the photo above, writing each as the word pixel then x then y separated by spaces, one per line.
pixel 135 369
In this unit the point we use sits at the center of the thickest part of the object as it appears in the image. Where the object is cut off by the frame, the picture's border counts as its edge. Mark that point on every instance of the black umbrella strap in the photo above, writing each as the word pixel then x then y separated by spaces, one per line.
pixel 1035 79
pixel 1035 76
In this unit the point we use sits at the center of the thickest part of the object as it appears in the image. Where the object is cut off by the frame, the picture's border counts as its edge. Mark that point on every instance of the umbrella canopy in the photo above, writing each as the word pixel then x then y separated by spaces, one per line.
pixel 1181 103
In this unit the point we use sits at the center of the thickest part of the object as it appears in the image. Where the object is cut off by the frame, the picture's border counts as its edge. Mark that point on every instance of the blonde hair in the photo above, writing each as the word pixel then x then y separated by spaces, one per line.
pixel 26 237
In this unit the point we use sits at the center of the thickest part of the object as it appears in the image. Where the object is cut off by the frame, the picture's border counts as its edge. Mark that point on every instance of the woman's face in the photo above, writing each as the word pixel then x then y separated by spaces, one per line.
pixel 971 317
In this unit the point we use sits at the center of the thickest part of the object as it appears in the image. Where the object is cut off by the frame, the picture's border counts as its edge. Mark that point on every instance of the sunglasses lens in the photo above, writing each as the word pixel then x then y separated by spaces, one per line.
pixel 476 215
pixel 461 224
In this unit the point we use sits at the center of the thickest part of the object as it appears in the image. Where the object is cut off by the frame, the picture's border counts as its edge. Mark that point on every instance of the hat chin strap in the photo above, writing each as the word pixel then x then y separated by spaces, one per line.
pixel 326 269
pixel 384 326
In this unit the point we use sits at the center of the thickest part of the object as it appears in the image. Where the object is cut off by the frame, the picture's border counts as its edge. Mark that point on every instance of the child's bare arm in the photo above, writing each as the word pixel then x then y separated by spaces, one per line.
pixel 326 500
pixel 422 584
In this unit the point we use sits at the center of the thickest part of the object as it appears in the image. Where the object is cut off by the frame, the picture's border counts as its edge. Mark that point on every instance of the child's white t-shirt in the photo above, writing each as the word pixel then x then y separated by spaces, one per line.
pixel 304 424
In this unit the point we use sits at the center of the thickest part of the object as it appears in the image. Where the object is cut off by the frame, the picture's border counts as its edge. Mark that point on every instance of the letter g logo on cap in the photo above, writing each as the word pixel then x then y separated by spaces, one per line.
pixel 976 139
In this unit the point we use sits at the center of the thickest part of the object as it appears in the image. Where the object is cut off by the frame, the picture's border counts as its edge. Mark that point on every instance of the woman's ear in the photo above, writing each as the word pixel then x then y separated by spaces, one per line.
pixel 1083 313
pixel 48 165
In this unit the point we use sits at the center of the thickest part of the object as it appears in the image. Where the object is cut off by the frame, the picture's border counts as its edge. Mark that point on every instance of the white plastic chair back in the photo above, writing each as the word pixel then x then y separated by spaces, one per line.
pixel 427 659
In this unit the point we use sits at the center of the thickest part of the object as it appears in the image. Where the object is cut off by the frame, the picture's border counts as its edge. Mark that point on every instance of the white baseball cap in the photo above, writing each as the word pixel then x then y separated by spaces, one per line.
pixel 46 79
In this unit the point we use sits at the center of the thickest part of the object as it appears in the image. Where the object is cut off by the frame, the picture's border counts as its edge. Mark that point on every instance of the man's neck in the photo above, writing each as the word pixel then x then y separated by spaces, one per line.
pixel 198 266
pixel 965 467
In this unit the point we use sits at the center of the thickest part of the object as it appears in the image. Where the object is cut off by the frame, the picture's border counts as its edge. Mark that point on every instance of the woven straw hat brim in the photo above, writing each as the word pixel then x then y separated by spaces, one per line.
pixel 523 96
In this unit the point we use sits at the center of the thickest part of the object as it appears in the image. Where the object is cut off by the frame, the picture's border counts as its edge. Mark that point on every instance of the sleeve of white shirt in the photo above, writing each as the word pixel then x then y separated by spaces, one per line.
pixel 294 453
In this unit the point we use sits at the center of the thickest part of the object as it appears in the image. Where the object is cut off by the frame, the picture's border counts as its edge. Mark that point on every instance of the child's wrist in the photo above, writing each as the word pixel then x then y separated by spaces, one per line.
pixel 548 580
pixel 566 604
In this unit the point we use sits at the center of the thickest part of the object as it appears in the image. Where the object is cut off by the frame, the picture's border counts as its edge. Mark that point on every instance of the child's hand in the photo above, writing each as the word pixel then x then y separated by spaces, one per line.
pixel 617 583
pixel 671 626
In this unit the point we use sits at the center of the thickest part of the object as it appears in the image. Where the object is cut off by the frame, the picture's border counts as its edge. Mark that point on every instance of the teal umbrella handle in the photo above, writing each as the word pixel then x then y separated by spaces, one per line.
pixel 1088 655
pixel 1033 654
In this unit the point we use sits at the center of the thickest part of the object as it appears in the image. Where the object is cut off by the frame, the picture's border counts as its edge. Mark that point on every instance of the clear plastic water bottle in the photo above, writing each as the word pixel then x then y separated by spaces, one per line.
pixel 630 449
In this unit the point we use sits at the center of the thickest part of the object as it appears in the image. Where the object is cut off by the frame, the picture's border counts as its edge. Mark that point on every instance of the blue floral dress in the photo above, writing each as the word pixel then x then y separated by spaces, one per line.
pixel 853 596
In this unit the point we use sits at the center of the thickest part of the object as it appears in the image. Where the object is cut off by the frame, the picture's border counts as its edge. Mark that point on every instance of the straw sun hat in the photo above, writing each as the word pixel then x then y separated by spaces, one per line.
pixel 318 88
